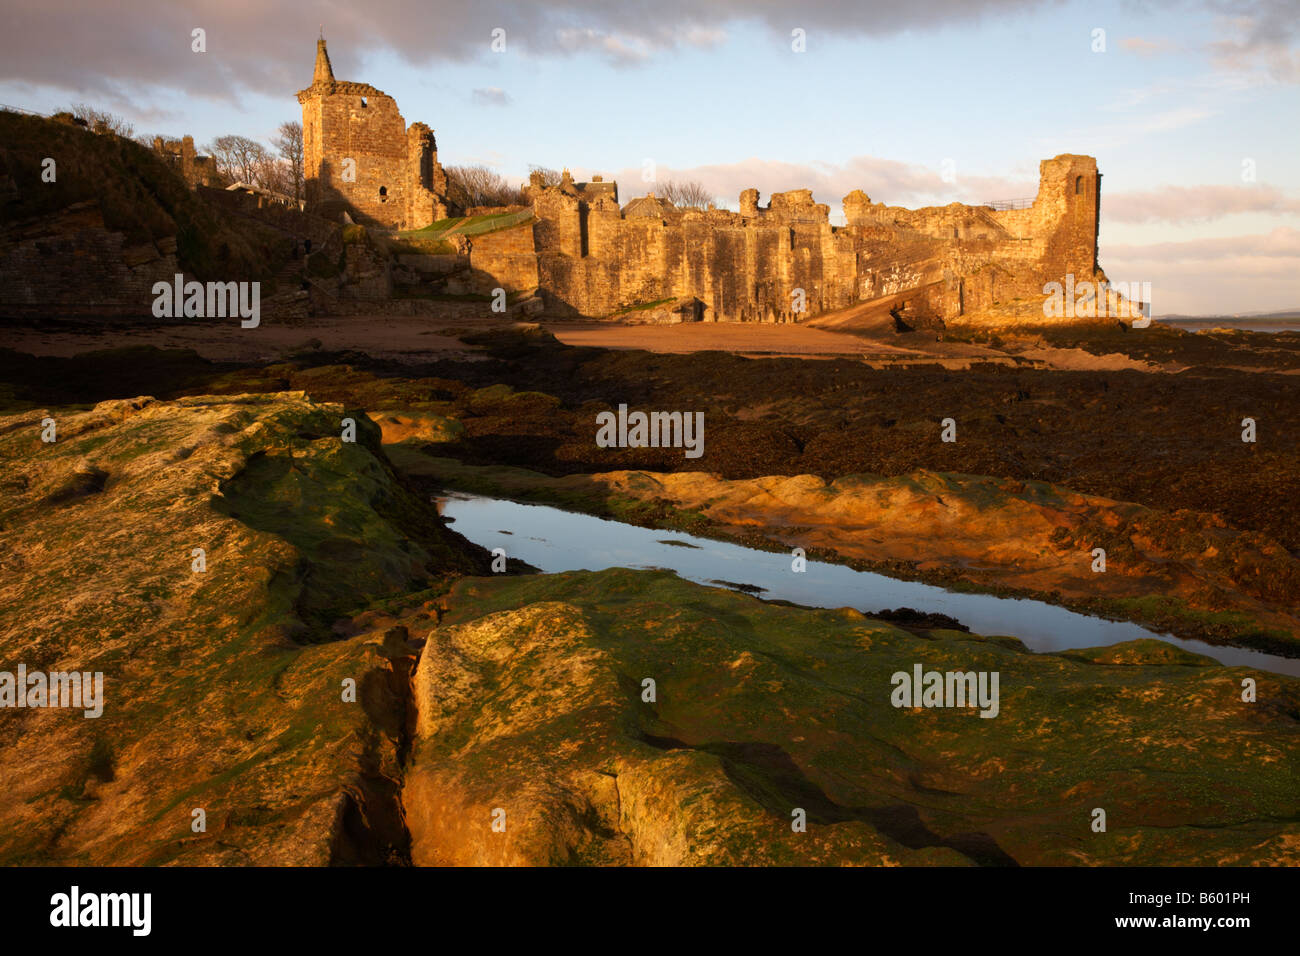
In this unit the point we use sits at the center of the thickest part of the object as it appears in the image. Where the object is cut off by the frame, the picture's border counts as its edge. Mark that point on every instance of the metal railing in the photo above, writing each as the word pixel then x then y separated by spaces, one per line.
pixel 1001 204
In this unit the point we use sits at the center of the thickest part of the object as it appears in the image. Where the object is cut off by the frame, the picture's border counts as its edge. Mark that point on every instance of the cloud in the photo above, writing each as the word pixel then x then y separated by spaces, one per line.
pixel 110 49
pixel 1213 276
pixel 1176 119
pixel 1144 47
pixel 1271 249
pixel 1195 203
pixel 107 49
pixel 491 96
pixel 1115 134
pixel 1259 39
pixel 625 48
pixel 884 180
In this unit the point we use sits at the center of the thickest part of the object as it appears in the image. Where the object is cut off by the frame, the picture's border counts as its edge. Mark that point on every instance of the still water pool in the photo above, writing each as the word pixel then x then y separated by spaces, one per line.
pixel 556 540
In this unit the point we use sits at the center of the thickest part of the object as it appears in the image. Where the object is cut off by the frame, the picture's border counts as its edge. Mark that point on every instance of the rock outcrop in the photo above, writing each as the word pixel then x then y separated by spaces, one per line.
pixel 224 669
pixel 539 740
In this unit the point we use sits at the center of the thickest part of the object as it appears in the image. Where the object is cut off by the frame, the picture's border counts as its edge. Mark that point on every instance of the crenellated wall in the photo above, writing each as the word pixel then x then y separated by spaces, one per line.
pixel 594 259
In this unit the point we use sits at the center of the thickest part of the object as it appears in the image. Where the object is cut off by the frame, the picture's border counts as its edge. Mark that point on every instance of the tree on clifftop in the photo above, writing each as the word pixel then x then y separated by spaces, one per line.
pixel 100 120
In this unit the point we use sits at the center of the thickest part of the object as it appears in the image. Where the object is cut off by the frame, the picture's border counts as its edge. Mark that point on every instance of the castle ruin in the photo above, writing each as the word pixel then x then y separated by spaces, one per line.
pixel 593 257
pixel 360 157
pixel 585 255
pixel 180 154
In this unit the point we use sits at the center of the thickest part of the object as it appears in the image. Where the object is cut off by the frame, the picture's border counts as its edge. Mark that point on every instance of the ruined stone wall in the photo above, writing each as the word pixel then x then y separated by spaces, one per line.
pixel 426 186
pixel 366 274
pixel 506 259
pixel 740 268
pixel 1067 212
pixel 196 170
pixel 290 220
pixel 594 259
pixel 72 264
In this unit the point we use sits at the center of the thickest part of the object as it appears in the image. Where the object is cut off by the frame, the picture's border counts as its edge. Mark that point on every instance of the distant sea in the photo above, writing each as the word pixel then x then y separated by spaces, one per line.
pixel 1244 323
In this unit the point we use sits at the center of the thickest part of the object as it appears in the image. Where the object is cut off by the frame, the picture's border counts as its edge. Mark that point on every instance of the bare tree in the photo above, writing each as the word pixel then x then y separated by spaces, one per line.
pixel 102 120
pixel 550 177
pixel 483 186
pixel 274 174
pixel 685 195
pixel 239 158
pixel 288 142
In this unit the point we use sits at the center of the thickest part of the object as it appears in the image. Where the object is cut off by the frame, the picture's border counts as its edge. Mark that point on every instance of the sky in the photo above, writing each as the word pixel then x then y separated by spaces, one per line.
pixel 1191 107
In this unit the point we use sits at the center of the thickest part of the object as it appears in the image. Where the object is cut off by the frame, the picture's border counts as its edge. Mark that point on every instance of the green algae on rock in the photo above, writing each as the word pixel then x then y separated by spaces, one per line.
pixel 531 702
pixel 224 687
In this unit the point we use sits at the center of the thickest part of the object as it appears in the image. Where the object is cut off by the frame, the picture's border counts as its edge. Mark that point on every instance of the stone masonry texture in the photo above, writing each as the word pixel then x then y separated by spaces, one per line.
pixel 587 256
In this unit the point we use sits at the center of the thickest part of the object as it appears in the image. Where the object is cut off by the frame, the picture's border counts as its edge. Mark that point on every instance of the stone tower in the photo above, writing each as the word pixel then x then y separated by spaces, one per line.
pixel 1069 205
pixel 359 157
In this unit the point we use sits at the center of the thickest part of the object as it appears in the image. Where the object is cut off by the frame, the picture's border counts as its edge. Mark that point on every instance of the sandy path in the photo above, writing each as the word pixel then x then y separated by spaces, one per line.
pixel 745 338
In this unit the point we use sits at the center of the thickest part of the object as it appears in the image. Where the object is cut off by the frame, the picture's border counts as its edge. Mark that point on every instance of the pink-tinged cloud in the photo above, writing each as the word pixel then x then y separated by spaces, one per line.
pixel 884 180
pixel 1144 47
pixel 114 49
pixel 1195 203
pixel 1259 272
pixel 1282 243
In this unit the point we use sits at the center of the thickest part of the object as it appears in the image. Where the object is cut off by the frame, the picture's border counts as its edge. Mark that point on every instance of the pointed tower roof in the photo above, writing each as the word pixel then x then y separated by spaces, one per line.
pixel 324 74
pixel 324 84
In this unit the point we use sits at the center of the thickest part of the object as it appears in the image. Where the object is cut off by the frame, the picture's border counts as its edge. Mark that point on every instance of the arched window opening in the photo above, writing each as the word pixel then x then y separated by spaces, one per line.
pixel 1078 185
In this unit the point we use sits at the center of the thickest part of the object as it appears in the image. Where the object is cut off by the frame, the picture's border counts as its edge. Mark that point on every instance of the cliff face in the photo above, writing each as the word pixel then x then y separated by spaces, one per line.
pixel 114 219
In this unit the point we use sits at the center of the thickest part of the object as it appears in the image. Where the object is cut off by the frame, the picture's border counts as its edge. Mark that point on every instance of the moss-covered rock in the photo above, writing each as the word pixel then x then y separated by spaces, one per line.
pixel 531 701
pixel 224 687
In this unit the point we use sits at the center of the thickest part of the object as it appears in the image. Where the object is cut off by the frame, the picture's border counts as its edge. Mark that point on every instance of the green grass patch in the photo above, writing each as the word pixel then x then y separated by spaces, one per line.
pixel 469 225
